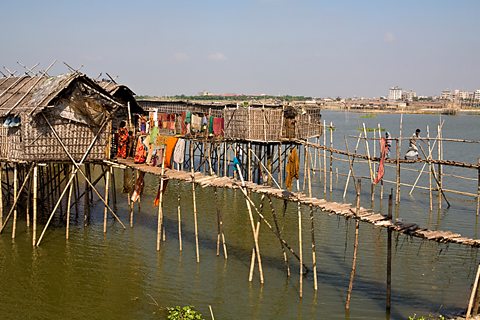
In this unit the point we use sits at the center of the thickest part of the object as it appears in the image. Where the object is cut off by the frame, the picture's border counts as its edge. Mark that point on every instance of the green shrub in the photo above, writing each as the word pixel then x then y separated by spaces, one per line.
pixel 183 313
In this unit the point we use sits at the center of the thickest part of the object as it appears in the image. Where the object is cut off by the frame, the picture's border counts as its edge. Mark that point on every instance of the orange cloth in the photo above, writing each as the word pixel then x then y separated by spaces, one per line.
pixel 170 143
pixel 292 168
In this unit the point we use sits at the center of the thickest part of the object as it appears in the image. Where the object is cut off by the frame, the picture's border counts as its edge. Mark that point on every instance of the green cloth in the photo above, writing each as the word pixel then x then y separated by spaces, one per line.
pixel 210 125
pixel 188 117
pixel 153 134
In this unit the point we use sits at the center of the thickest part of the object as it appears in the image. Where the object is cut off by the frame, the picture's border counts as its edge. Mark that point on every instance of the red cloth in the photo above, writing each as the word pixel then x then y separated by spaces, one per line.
pixel 381 166
pixel 140 153
pixel 218 126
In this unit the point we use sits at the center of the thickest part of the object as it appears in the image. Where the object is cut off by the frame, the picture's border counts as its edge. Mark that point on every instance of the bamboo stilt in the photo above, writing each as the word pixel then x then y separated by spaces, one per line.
pixel 350 171
pixel 354 266
pixel 179 215
pixel 280 168
pixel 478 188
pixel 107 187
pixel 473 295
pixel 279 236
pixel 314 258
pixel 1 194
pixel 300 249
pixel 252 259
pixel 368 152
pixel 324 158
pixel 29 194
pixel 389 254
pixel 397 182
pixel 440 157
pixel 35 189
pixel 331 157
pixel 160 203
pixel 197 249
pixel 69 201
pixel 86 203
pixel 15 196
pixel 308 163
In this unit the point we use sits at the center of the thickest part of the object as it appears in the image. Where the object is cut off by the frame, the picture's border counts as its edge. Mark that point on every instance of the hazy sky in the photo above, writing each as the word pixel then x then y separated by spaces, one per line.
pixel 316 48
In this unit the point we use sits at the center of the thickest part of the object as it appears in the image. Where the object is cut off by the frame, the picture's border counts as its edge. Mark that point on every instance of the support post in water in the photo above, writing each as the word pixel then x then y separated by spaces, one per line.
pixel 35 189
pixel 107 187
pixel 389 254
pixel 15 195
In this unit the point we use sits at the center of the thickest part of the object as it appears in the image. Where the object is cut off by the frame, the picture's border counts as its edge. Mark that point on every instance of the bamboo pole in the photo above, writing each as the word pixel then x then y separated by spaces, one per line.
pixel 29 194
pixel 225 159
pixel 252 223
pixel 252 259
pixel 324 158
pixel 397 181
pixel 69 201
pixel 389 254
pixel 308 163
pixel 160 203
pixel 279 236
pixel 350 171
pixel 1 194
pixel 473 294
pixel 280 168
pixel 430 194
pixel 14 205
pixel 299 211
pixel 107 187
pixel 354 266
pixel 179 216
pixel 192 171
pixel 440 157
pixel 35 189
pixel 478 188
pixel 368 152
pixel 331 157
pixel 15 198
pixel 314 258
pixel 249 159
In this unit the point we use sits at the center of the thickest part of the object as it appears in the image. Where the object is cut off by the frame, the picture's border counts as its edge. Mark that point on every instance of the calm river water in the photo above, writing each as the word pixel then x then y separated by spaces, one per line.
pixel 120 275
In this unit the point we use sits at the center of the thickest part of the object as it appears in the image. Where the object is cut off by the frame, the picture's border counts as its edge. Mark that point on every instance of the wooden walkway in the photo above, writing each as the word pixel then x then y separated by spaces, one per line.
pixel 341 209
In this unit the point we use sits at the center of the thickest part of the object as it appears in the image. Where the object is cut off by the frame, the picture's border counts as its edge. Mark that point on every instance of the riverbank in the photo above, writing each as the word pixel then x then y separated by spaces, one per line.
pixel 405 110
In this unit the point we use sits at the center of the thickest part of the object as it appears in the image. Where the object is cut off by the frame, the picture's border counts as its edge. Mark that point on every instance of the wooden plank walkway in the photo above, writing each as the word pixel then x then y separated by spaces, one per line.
pixel 332 208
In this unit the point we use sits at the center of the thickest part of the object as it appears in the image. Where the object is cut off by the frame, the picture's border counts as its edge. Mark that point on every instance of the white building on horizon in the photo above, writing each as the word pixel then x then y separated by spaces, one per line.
pixel 395 93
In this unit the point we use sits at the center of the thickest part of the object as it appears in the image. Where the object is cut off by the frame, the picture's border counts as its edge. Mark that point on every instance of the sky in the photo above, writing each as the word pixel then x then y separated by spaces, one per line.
pixel 279 47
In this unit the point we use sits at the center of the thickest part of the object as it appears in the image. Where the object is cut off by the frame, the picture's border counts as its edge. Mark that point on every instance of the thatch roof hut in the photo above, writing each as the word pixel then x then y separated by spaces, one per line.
pixel 41 113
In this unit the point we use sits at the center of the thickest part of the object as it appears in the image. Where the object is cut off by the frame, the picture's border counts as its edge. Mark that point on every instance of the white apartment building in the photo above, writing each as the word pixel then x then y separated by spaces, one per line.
pixel 395 93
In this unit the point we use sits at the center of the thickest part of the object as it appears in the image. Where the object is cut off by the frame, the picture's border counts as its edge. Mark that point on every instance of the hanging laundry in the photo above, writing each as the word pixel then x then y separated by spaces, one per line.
pixel 170 145
pixel 218 126
pixel 292 168
pixel 179 152
pixel 122 141
pixel 196 124
pixel 140 153
pixel 138 189
pixel 384 149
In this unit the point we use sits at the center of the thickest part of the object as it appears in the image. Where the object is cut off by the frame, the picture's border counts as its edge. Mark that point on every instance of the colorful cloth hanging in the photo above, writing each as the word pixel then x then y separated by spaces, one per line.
pixel 140 153
pixel 218 126
pixel 138 189
pixel 122 142
pixel 179 152
pixel 292 168
pixel 384 150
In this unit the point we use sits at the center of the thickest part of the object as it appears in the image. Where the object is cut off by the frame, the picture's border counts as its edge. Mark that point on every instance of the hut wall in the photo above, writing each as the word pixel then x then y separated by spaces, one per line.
pixel 265 124
pixel 236 123
pixel 40 144
pixel 10 143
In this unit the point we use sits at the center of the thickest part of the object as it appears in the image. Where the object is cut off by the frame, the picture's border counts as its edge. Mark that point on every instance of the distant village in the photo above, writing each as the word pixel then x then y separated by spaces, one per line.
pixel 397 100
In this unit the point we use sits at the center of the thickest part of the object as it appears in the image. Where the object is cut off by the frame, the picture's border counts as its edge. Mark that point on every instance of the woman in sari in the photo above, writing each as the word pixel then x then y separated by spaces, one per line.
pixel 122 140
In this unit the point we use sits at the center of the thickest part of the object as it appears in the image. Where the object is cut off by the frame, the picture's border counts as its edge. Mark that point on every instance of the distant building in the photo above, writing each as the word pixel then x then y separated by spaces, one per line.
pixel 395 94
pixel 409 95
pixel 446 95
pixel 476 95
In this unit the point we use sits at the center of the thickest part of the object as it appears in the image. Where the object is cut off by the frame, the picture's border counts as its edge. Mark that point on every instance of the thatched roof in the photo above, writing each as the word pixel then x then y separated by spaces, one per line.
pixel 32 94
pixel 121 93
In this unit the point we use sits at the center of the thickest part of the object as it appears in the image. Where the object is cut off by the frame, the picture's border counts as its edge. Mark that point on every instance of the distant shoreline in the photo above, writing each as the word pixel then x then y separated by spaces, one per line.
pixel 444 111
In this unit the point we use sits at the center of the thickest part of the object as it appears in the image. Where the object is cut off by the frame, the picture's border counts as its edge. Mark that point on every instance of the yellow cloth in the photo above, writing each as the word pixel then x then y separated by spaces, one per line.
pixel 292 168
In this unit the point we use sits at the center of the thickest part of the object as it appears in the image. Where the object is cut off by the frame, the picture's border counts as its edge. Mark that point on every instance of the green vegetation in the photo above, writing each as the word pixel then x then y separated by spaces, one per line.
pixel 183 313
pixel 370 129
pixel 287 98
pixel 429 317
pixel 369 116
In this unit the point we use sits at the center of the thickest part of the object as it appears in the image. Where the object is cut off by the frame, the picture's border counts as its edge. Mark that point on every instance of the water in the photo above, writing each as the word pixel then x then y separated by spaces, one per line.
pixel 120 275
